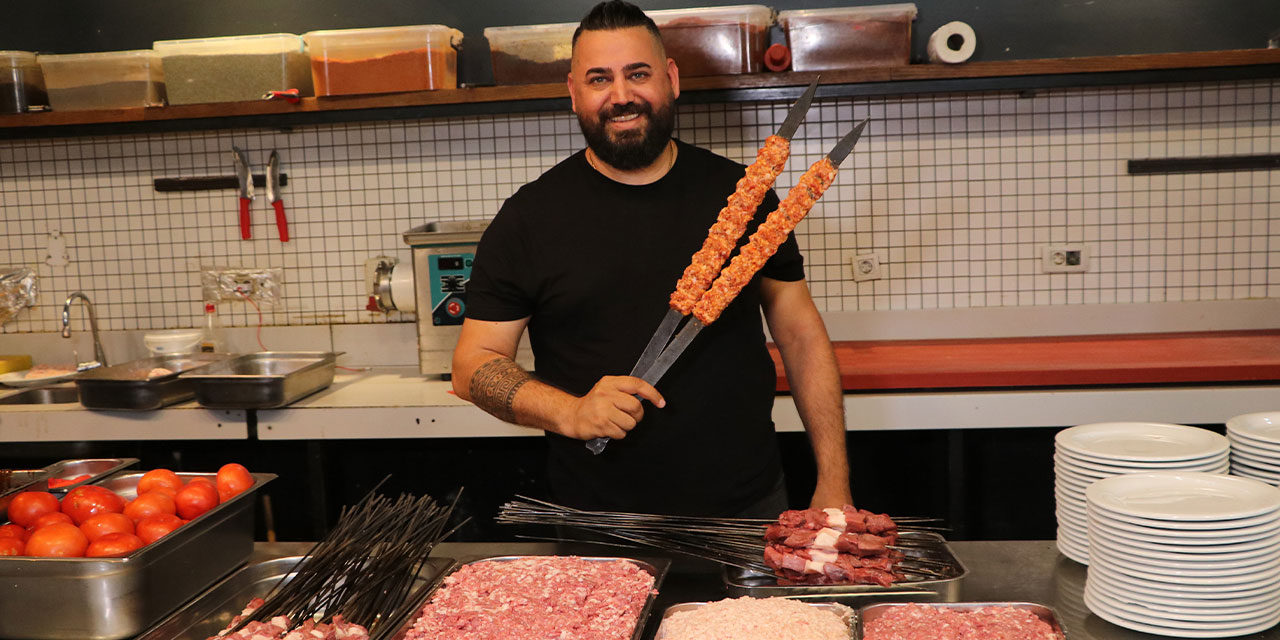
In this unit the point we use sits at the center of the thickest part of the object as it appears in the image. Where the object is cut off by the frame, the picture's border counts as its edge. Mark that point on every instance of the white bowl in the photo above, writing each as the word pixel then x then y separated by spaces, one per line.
pixel 163 343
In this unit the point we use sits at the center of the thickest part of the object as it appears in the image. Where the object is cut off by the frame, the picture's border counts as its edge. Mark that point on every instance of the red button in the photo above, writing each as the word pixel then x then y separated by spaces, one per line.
pixel 454 308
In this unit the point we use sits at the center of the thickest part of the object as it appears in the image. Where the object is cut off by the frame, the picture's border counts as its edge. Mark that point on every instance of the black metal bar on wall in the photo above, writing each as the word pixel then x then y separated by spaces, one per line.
pixel 1206 164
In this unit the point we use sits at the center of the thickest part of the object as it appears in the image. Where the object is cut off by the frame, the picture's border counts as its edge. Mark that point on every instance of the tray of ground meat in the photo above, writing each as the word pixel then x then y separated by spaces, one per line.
pixel 749 618
pixel 958 621
pixel 143 385
pixel 539 597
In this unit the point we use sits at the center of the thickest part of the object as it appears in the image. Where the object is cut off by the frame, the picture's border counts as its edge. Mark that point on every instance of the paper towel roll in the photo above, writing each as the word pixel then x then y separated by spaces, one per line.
pixel 940 51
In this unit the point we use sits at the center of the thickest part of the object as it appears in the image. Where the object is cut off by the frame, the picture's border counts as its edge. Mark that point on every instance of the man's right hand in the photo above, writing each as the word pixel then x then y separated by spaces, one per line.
pixel 610 409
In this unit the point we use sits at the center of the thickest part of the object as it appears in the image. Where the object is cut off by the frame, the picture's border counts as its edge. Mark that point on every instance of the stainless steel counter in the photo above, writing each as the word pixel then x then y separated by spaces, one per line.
pixel 1024 570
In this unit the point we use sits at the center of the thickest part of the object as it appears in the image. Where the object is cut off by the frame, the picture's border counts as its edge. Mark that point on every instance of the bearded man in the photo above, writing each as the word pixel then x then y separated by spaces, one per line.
pixel 585 258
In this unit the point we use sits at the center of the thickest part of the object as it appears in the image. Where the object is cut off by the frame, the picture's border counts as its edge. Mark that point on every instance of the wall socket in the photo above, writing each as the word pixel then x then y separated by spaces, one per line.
pixel 866 267
pixel 225 284
pixel 1064 258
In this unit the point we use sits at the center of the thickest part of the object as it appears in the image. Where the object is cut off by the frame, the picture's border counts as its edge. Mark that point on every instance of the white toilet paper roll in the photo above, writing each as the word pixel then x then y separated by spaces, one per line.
pixel 940 49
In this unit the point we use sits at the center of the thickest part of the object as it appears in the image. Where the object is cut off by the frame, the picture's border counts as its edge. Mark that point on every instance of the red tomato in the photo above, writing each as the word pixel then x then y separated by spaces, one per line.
pixel 63 482
pixel 10 546
pixel 201 480
pixel 152 528
pixel 14 531
pixel 104 523
pixel 58 541
pixel 150 504
pixel 168 491
pixel 157 478
pixel 195 499
pixel 29 505
pixel 233 478
pixel 50 518
pixel 114 545
pixel 90 500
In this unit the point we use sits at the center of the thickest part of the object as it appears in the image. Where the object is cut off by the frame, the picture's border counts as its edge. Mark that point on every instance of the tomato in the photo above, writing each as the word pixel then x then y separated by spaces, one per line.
pixel 14 531
pixel 29 505
pixel 10 546
pixel 51 518
pixel 195 499
pixel 152 528
pixel 232 479
pixel 64 482
pixel 114 545
pixel 83 502
pixel 201 480
pixel 103 523
pixel 168 491
pixel 157 478
pixel 58 541
pixel 150 504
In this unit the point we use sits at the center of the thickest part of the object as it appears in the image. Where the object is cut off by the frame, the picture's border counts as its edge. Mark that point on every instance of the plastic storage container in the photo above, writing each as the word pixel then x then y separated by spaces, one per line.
pixel 172 341
pixel 716 40
pixel 21 83
pixel 849 38
pixel 113 80
pixel 383 60
pixel 235 69
pixel 533 54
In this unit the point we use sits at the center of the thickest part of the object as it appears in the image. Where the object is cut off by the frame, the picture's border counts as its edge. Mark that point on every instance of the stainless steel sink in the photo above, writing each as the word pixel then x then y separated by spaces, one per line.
pixel 43 395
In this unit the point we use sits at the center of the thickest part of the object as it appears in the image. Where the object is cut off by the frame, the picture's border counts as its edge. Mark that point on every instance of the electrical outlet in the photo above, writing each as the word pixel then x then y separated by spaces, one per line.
pixel 866 267
pixel 224 284
pixel 1065 258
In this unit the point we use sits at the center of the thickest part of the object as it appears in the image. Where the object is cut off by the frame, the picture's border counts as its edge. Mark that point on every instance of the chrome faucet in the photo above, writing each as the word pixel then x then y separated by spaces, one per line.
pixel 100 356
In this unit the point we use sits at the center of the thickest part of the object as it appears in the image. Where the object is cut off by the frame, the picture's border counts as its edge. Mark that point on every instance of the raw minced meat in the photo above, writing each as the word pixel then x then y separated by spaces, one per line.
pixel 920 622
pixel 560 597
pixel 748 618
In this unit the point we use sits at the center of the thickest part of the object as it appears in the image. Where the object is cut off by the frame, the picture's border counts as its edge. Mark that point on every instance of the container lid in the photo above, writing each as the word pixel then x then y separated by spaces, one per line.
pixel 103 56
pixel 531 30
pixel 9 59
pixel 411 32
pixel 256 44
pixel 755 14
pixel 867 12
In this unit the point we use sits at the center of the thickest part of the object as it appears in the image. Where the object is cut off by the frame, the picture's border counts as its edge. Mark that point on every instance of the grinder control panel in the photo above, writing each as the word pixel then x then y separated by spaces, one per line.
pixel 449 274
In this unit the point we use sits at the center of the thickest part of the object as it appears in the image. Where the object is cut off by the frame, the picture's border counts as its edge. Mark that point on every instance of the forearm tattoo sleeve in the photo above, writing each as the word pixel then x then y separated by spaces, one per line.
pixel 494 385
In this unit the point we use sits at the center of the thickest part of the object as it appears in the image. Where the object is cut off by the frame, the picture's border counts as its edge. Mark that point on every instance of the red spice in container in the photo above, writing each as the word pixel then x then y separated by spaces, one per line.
pixel 387 60
pixel 715 40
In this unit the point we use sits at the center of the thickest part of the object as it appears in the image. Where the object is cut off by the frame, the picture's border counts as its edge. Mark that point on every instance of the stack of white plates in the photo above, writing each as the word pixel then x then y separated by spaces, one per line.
pixel 1091 452
pixel 1189 555
pixel 1255 446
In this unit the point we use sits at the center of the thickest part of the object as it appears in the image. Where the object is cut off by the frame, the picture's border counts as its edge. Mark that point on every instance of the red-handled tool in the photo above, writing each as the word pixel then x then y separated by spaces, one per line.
pixel 273 194
pixel 246 189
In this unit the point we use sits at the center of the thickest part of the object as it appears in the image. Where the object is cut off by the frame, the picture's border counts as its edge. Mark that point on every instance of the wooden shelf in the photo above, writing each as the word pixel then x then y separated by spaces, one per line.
pixel 920 78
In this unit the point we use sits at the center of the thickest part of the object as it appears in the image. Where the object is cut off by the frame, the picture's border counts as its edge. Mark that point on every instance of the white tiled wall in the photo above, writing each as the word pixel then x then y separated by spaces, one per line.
pixel 955 192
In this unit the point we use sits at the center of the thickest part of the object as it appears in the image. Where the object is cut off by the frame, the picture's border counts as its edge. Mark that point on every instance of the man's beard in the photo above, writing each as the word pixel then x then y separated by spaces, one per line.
pixel 632 149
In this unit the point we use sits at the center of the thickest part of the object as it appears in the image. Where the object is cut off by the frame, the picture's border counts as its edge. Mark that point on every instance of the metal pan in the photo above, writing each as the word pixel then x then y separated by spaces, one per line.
pixel 739 582
pixel 212 612
pixel 871 612
pixel 846 614
pixel 657 567
pixel 130 387
pixel 38 479
pixel 114 598
pixel 266 380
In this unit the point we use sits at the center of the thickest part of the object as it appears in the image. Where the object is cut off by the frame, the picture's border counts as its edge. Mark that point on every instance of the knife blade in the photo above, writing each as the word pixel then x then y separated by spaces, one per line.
pixel 246 189
pixel 273 195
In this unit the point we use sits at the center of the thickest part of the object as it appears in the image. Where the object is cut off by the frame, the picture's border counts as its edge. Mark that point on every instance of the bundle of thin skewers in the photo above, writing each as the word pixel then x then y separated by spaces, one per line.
pixel 812 546
pixel 357 578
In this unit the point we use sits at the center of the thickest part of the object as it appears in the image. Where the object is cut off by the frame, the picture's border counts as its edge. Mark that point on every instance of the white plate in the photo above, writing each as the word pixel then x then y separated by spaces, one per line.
pixel 1069 457
pixel 1139 549
pixel 1195 614
pixel 1107 583
pixel 1270 461
pixel 1238 439
pixel 1264 426
pixel 1181 630
pixel 20 379
pixel 1098 471
pixel 1067 481
pixel 1249 472
pixel 1177 535
pixel 1139 546
pixel 1202 562
pixel 1211 622
pixel 1072 550
pixel 1141 441
pixel 1255 471
pixel 1184 496
pixel 1130 566
pixel 1216 525
pixel 1165 590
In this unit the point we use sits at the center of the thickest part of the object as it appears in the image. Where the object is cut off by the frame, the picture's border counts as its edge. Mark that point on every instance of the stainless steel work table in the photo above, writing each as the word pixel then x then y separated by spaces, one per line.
pixel 1021 570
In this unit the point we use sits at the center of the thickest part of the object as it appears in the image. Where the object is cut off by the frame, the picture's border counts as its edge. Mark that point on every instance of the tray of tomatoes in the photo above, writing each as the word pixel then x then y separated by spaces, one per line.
pixel 111 558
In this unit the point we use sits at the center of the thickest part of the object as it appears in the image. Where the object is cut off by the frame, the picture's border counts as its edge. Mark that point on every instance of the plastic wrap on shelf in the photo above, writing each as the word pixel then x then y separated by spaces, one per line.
pixel 17 291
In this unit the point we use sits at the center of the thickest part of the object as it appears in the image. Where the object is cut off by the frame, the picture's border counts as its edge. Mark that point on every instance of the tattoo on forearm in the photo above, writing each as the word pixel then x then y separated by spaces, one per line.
pixel 494 385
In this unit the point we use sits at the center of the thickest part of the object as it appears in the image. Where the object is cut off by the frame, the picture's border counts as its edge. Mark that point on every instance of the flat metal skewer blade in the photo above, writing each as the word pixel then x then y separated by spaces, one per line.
pixel 798 110
pixel 657 342
pixel 841 151
pixel 673 351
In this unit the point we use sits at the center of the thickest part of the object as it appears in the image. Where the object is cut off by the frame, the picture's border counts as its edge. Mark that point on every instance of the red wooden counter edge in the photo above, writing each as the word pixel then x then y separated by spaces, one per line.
pixel 1149 358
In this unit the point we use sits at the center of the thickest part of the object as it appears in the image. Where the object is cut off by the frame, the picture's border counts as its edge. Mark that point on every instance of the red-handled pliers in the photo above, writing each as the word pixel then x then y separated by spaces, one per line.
pixel 246 189
pixel 273 194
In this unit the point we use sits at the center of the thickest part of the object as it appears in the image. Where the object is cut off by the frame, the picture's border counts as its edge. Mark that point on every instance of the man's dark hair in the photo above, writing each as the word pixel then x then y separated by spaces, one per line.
pixel 615 14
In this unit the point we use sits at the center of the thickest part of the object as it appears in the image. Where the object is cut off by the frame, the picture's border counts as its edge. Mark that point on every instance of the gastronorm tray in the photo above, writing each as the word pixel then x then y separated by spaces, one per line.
pixel 657 567
pixel 113 598
pixel 871 612
pixel 266 380
pixel 38 479
pixel 213 610
pixel 846 614
pixel 740 582
pixel 129 387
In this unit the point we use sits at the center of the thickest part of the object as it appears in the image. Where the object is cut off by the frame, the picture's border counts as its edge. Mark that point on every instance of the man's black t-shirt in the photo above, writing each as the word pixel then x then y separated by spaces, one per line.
pixel 592 263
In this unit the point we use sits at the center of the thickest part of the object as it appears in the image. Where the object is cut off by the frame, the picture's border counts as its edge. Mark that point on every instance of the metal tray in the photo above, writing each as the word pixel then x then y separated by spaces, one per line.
pixel 657 567
pixel 38 479
pixel 266 380
pixel 871 612
pixel 113 598
pixel 739 582
pixel 212 612
pixel 846 614
pixel 128 387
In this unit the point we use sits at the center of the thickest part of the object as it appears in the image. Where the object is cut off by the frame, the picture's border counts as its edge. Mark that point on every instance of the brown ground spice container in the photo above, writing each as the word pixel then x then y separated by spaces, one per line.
pixel 414 70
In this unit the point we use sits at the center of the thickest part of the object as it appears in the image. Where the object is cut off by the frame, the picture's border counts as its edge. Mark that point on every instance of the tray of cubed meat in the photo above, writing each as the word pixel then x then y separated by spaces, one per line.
pixel 538 597
pixel 958 621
